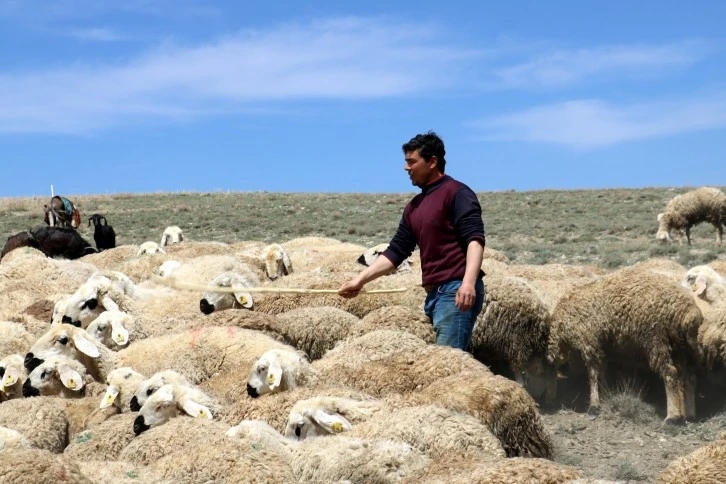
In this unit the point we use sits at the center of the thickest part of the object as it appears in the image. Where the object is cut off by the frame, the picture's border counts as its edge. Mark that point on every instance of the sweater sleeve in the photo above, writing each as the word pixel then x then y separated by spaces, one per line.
pixel 402 244
pixel 467 217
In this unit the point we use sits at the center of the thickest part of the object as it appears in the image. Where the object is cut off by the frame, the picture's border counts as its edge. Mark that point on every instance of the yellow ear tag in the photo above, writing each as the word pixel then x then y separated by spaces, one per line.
pixel 7 381
pixel 119 338
pixel 242 300
pixel 337 427
pixel 270 379
pixel 203 413
pixel 110 398
pixel 71 383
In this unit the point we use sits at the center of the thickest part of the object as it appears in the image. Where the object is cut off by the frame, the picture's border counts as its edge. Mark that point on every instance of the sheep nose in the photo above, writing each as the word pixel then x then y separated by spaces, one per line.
pixel 252 391
pixel 134 404
pixel 205 307
pixel 29 391
pixel 31 362
pixel 140 425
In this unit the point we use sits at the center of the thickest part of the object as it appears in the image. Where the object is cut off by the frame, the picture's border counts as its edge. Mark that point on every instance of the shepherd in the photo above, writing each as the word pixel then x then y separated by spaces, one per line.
pixel 61 212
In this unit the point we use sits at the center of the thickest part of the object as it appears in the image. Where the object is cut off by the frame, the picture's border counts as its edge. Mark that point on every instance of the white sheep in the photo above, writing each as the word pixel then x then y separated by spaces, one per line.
pixel 172 400
pixel 279 370
pixel 172 235
pixel 169 267
pixel 149 247
pixel 122 384
pixel 12 375
pixel 706 283
pixel 57 375
pixel 148 386
pixel 277 262
pixel 326 415
pixel 372 254
pixel 703 204
pixel 114 329
pixel 103 291
pixel 216 301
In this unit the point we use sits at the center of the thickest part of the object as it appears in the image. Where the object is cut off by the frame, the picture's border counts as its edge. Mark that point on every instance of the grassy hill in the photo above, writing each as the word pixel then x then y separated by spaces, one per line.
pixel 609 228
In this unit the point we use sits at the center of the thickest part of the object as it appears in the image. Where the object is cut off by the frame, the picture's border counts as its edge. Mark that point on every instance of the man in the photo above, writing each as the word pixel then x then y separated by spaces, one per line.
pixel 445 221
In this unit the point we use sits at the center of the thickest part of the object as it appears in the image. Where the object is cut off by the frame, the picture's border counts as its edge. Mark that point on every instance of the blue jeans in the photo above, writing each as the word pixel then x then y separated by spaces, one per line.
pixel 453 327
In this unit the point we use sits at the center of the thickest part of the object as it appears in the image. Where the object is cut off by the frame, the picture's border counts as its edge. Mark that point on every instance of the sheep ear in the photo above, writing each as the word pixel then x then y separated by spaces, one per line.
pixel 700 286
pixel 119 334
pixel 286 263
pixel 332 423
pixel 195 409
pixel 109 397
pixel 70 378
pixel 109 303
pixel 660 216
pixel 11 376
pixel 85 346
pixel 244 298
pixel 274 375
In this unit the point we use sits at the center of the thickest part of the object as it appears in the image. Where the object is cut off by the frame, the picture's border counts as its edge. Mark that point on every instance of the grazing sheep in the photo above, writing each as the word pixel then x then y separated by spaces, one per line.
pixel 171 400
pixel 277 262
pixel 218 301
pixel 103 235
pixel 12 376
pixel 148 248
pixel 397 318
pixel 631 309
pixel 703 204
pixel 372 254
pixel 706 464
pixel 148 386
pixel 21 239
pixel 122 385
pixel 58 375
pixel 172 235
pixel 279 370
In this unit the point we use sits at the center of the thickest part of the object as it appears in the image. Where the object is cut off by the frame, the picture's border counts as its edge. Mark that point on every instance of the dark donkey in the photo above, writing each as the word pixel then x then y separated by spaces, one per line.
pixel 61 212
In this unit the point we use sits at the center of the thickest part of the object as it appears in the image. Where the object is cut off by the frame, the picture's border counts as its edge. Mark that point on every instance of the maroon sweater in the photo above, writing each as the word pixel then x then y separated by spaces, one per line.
pixel 441 220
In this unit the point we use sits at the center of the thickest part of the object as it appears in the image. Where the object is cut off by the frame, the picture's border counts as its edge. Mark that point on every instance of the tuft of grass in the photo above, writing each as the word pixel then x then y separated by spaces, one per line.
pixel 626 401
pixel 627 471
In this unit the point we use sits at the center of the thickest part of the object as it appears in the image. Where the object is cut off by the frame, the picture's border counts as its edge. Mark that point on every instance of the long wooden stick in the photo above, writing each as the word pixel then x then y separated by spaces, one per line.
pixel 189 286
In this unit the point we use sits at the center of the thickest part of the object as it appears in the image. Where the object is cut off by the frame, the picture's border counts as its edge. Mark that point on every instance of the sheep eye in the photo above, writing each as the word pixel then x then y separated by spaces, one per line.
pixel 149 391
pixel 63 340
pixel 43 375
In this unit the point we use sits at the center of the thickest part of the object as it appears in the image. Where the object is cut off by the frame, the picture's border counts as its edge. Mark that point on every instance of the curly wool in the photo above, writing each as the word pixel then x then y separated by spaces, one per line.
pixel 703 204
pixel 315 330
pixel 397 318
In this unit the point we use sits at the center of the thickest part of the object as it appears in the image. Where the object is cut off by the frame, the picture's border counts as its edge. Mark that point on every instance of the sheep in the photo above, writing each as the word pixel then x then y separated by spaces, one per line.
pixel 705 464
pixel 706 283
pixel 631 308
pixel 103 291
pixel 103 235
pixel 703 204
pixel 398 318
pixel 168 268
pixel 262 432
pixel 21 239
pixel 12 439
pixel 279 370
pixel 12 374
pixel 102 441
pixel 14 338
pixel 75 343
pixel 122 385
pixel 172 235
pixel 117 471
pixel 513 331
pixel 172 400
pixel 30 466
pixel 277 262
pixel 115 329
pixel 372 254
pixel 217 301
pixel 148 386
pixel 41 420
pixel 148 248
pixel 57 375
pixel 325 415
pixel 315 330
pixel 341 458
pixel 468 467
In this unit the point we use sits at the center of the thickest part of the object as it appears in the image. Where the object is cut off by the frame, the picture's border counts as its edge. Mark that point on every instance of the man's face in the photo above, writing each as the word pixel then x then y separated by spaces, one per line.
pixel 420 171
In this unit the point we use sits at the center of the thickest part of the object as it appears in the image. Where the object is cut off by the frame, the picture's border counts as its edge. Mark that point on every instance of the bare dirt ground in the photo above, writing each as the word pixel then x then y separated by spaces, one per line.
pixel 628 441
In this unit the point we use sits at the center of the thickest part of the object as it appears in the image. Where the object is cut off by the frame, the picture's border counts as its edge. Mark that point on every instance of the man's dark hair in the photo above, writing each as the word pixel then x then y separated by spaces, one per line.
pixel 428 145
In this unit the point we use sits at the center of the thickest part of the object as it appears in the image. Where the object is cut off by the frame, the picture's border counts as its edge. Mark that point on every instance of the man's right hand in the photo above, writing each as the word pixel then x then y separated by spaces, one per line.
pixel 350 289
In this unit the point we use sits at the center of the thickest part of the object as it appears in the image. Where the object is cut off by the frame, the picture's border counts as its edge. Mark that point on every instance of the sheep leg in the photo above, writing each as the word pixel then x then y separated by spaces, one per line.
pixel 594 377
pixel 675 401
pixel 688 234
pixel 719 233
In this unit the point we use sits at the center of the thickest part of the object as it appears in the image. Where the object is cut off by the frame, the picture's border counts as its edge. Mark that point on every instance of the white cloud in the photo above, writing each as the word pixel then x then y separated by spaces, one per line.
pixel 567 67
pixel 348 58
pixel 590 124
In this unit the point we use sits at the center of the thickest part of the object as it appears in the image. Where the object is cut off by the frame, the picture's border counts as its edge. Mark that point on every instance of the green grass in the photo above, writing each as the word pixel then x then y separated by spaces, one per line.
pixel 608 228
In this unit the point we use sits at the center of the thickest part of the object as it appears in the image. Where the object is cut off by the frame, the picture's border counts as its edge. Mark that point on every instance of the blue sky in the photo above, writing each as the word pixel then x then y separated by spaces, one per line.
pixel 157 96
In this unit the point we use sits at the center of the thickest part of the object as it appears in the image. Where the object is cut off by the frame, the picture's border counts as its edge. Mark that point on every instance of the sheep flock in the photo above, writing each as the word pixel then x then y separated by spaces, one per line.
pixel 111 370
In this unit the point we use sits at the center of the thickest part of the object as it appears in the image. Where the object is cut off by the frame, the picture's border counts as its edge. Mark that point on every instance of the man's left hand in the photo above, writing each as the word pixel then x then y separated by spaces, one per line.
pixel 465 297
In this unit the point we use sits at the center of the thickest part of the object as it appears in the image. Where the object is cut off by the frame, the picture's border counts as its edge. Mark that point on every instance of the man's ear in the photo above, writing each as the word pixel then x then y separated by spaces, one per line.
pixel 433 161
